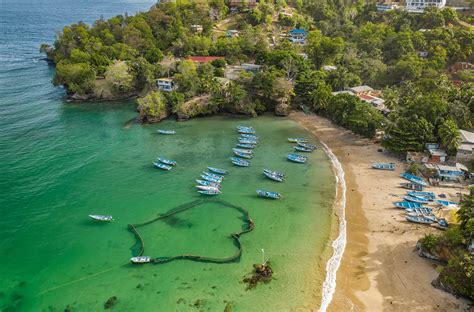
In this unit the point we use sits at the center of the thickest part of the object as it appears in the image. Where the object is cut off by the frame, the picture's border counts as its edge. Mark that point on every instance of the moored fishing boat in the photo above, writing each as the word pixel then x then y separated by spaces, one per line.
pixel 407 204
pixel 162 166
pixel 445 202
pixel 297 158
pixel 243 155
pixel 416 199
pixel 418 219
pixel 296 140
pixel 245 151
pixel 217 176
pixel 245 145
pixel 210 179
pixel 412 186
pixel 307 145
pixel 240 162
pixel 209 192
pixel 208 188
pixel 267 194
pixel 249 136
pixel 413 178
pixel 208 183
pixel 273 176
pixel 167 161
pixel 217 170
pixel 166 131
pixel 140 260
pixel 427 195
pixel 247 141
pixel 384 166
pixel 303 149
pixel 103 218
pixel 245 130
pixel 281 174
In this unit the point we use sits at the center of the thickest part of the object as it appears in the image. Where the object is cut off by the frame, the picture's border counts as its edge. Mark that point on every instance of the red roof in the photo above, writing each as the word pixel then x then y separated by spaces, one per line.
pixel 203 59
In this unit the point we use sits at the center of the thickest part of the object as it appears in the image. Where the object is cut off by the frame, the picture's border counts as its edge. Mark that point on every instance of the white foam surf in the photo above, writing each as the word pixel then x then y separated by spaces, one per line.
pixel 339 244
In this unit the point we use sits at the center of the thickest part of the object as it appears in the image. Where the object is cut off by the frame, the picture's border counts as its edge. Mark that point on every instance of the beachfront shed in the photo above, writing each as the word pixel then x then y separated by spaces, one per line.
pixel 445 172
pixel 166 84
pixel 466 148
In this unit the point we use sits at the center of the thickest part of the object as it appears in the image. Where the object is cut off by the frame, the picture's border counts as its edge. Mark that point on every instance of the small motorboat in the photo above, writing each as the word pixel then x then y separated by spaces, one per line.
pixel 383 166
pixel 246 145
pixel 162 166
pixel 247 141
pixel 249 136
pixel 208 188
pixel 267 194
pixel 423 211
pixel 273 176
pixel 296 140
pixel 216 176
pixel 281 174
pixel 407 205
pixel 443 223
pixel 245 151
pixel 413 178
pixel 427 195
pixel 102 218
pixel 166 131
pixel 167 161
pixel 303 149
pixel 412 186
pixel 418 219
pixel 140 260
pixel 210 179
pixel 209 192
pixel 243 155
pixel 207 183
pixel 217 170
pixel 307 145
pixel 445 202
pixel 240 162
pixel 245 130
pixel 297 158
pixel 414 199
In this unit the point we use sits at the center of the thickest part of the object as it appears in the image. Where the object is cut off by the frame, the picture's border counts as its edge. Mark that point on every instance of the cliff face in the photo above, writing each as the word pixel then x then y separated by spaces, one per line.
pixel 197 106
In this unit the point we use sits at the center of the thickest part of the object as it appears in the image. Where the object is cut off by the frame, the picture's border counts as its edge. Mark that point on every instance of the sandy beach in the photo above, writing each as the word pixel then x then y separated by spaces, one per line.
pixel 380 269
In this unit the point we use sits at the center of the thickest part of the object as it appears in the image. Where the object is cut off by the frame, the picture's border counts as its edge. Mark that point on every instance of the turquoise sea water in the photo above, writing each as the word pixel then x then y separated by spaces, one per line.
pixel 60 162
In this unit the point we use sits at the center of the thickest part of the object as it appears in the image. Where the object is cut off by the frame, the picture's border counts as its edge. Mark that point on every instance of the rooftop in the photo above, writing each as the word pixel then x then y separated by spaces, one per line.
pixel 467 137
pixel 297 32
pixel 204 59
pixel 360 89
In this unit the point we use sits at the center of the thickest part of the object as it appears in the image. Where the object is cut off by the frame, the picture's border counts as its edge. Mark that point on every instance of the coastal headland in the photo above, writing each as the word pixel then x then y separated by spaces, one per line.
pixel 380 270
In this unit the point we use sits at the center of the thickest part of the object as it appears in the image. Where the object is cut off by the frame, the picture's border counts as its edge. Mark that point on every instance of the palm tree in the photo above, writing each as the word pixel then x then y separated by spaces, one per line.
pixel 449 135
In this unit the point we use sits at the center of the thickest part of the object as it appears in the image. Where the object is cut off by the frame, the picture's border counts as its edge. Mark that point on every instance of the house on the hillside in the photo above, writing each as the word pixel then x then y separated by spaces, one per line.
pixel 232 33
pixel 197 28
pixel 329 68
pixel 437 154
pixel 235 4
pixel 466 148
pixel 166 84
pixel 297 36
pixel 462 66
pixel 203 59
pixel 369 95
pixel 445 172
pixel 384 7
pixel 418 6
pixel 233 72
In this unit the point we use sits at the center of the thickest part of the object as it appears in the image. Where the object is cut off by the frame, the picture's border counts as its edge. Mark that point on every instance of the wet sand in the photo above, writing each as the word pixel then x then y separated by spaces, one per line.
pixel 380 270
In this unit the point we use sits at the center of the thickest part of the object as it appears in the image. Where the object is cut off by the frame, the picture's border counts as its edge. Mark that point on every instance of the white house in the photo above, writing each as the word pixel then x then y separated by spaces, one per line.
pixel 166 84
pixel 466 148
pixel 419 6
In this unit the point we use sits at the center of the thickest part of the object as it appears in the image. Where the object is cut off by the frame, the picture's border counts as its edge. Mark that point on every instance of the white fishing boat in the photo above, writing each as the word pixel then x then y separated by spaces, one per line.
pixel 102 218
pixel 140 260
pixel 208 188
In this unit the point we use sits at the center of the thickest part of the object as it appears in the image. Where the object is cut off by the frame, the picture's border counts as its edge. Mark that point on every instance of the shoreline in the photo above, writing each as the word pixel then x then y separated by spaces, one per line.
pixel 380 270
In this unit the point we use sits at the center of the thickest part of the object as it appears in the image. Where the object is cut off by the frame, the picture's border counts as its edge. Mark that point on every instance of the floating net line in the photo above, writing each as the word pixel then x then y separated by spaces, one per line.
pixel 248 226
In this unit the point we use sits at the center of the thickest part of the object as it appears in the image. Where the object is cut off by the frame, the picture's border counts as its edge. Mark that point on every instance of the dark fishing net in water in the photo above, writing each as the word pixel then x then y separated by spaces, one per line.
pixel 139 247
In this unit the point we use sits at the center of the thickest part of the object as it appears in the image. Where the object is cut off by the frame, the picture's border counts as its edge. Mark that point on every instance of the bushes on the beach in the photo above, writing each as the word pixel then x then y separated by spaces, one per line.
pixel 458 275
pixel 429 242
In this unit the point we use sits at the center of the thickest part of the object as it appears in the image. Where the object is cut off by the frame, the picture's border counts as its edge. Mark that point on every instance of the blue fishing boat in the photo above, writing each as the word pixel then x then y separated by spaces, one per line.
pixel 446 202
pixel 213 175
pixel 267 194
pixel 443 223
pixel 243 155
pixel 247 141
pixel 296 140
pixel 162 166
pixel 407 204
pixel 273 176
pixel 246 130
pixel 240 162
pixel 413 186
pixel 418 219
pixel 423 211
pixel 246 145
pixel 307 145
pixel 413 178
pixel 209 192
pixel 281 174
pixel 249 136
pixel 427 195
pixel 303 149
pixel 167 161
pixel 210 179
pixel 208 183
pixel 297 158
pixel 414 199
pixel 166 132
pixel 217 170
pixel 384 166
pixel 245 151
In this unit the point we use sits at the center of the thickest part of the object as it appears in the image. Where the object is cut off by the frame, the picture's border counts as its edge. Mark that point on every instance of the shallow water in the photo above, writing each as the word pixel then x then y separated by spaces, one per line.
pixel 60 162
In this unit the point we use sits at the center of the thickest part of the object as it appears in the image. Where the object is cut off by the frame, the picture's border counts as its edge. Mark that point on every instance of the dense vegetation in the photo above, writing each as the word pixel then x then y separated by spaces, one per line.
pixel 452 247
pixel 124 56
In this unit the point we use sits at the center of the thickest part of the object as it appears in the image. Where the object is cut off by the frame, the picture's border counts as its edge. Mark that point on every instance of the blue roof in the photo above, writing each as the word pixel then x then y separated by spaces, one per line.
pixel 297 31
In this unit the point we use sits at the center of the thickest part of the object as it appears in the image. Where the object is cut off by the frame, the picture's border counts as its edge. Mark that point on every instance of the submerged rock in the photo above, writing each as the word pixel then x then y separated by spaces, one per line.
pixel 262 273
pixel 110 302
pixel 282 109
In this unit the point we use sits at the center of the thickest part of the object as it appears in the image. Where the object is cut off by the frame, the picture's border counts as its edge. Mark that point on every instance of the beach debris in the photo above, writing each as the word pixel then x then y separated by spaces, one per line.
pixel 261 273
pixel 110 302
